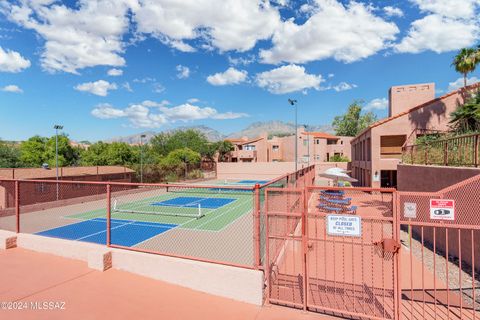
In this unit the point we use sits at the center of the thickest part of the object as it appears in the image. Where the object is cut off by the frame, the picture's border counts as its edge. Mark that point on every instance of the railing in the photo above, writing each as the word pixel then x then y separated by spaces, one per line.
pixel 212 223
pixel 456 151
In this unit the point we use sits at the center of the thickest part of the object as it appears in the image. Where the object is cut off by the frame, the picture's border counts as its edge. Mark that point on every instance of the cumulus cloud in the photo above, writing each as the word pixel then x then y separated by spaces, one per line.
pixel 439 34
pixel 99 88
pixel 150 114
pixel 448 25
pixel 457 84
pixel 12 88
pixel 345 33
pixel 87 35
pixel 115 72
pixel 377 104
pixel 210 21
pixel 289 78
pixel 393 11
pixel 183 71
pixel 12 61
pixel 230 76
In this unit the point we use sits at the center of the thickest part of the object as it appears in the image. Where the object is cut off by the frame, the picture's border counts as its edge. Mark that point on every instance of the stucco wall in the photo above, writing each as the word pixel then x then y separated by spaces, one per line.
pixel 431 178
pixel 254 170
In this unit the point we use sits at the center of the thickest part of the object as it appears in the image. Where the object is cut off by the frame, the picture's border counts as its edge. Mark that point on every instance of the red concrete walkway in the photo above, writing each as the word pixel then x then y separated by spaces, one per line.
pixel 29 277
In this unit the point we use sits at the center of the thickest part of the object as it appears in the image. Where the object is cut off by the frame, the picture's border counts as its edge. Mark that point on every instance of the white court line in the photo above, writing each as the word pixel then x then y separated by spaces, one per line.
pixel 221 215
pixel 94 234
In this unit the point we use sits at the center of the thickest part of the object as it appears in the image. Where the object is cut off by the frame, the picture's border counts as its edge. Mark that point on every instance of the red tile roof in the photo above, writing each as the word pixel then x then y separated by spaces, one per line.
pixel 321 135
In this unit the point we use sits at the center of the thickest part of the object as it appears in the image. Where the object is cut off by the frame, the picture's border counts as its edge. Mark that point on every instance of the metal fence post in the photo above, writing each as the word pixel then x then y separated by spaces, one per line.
pixel 256 218
pixel 304 219
pixel 109 214
pixel 476 150
pixel 17 205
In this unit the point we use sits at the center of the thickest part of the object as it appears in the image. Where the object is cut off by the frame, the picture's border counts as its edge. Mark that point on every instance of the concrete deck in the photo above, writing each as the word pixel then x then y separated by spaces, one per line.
pixel 27 276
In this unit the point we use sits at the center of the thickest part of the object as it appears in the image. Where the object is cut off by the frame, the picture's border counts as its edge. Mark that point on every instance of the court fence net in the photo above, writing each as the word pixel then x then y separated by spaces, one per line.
pixel 221 223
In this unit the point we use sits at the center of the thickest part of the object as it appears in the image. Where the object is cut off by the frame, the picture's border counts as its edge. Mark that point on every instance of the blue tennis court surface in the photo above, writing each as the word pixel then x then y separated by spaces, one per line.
pixel 193 202
pixel 253 181
pixel 123 232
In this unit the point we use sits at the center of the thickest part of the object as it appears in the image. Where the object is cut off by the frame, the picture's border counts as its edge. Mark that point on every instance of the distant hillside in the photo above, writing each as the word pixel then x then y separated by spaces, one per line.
pixel 255 129
pixel 275 127
pixel 211 134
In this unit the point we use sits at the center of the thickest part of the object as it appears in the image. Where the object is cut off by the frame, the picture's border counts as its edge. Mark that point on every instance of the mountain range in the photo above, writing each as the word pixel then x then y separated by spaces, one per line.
pixel 253 130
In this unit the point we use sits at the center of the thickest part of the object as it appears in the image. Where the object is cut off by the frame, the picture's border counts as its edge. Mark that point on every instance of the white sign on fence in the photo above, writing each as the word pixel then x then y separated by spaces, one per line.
pixel 344 225
pixel 410 210
pixel 442 209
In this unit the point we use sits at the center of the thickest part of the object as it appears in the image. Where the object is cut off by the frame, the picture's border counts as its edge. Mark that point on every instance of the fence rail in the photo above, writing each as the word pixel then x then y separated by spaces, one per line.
pixel 219 223
pixel 456 151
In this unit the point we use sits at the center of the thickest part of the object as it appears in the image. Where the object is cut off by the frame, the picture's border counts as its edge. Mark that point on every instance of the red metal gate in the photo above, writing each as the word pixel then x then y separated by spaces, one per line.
pixel 393 255
pixel 325 269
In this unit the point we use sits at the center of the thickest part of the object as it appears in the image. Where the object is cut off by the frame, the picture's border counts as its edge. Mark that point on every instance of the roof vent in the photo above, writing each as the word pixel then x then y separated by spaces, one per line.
pixel 45 166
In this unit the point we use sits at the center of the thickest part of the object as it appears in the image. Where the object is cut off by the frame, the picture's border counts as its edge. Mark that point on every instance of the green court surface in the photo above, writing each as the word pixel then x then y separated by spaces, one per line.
pixel 213 219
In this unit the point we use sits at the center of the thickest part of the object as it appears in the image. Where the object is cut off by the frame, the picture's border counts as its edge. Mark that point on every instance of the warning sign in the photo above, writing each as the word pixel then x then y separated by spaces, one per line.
pixel 344 225
pixel 442 209
pixel 410 210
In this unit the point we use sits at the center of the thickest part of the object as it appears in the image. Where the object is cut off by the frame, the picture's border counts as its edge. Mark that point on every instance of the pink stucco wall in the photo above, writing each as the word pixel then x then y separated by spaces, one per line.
pixel 434 115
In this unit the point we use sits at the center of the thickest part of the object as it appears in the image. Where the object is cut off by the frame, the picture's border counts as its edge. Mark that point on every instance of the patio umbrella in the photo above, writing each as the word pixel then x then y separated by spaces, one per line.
pixel 337 174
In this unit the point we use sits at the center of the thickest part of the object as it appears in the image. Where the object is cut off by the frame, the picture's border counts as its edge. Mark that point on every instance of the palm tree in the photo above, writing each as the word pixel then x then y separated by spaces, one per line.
pixel 466 118
pixel 465 62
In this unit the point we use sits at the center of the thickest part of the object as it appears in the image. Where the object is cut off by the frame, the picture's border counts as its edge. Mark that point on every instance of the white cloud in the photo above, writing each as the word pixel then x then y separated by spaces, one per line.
pixel 158 87
pixel 150 114
pixel 377 104
pixel 193 100
pixel 457 84
pixel 344 33
pixel 223 24
pixel 87 35
pixel 115 72
pixel 343 86
pixel 289 78
pixel 239 61
pixel 230 76
pixel 12 61
pixel 99 88
pixel 183 72
pixel 393 11
pixel 449 8
pixel 439 34
pixel 12 88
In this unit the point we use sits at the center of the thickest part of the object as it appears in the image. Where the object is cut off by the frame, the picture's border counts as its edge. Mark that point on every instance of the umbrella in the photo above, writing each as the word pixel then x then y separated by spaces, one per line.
pixel 337 174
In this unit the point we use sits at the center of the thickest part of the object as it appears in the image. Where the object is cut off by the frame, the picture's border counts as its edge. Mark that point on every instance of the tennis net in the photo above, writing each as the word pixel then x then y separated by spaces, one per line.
pixel 194 210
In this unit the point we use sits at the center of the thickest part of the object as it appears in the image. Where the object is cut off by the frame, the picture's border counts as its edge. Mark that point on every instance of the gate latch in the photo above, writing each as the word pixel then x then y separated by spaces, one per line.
pixel 388 245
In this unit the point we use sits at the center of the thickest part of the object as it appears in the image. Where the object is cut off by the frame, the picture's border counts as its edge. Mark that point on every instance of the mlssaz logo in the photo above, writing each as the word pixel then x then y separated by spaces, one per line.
pixel 441 212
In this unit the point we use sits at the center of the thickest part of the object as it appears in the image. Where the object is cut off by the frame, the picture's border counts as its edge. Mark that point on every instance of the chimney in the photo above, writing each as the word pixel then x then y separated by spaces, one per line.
pixel 405 97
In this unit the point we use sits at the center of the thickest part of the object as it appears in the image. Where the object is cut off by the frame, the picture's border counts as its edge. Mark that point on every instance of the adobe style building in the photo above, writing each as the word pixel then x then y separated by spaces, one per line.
pixel 377 150
pixel 45 192
pixel 313 147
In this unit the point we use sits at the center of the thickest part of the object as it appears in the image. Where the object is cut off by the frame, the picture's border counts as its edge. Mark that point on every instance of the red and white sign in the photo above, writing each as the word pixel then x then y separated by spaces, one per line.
pixel 442 209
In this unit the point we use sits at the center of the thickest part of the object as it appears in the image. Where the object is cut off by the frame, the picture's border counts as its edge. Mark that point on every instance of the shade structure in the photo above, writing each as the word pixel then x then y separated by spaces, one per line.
pixel 337 174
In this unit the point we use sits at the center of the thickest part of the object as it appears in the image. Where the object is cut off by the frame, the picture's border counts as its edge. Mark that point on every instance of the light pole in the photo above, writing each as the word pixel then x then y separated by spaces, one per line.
pixel 294 104
pixel 56 127
pixel 141 157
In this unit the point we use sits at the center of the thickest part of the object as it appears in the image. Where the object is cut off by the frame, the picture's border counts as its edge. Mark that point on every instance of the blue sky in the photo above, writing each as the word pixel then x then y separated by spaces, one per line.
pixel 106 68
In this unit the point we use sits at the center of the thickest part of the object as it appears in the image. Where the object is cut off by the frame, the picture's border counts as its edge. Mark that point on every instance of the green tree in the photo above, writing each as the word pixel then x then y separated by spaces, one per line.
pixel 466 118
pixel 223 148
pixel 164 143
pixel 67 155
pixel 353 121
pixel 9 155
pixel 33 151
pixel 179 160
pixel 466 61
pixel 95 155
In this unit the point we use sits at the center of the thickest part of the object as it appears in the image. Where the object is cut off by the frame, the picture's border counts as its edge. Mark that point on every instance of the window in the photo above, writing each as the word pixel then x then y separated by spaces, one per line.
pixel 275 148
pixel 250 147
pixel 317 141
pixel 331 141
